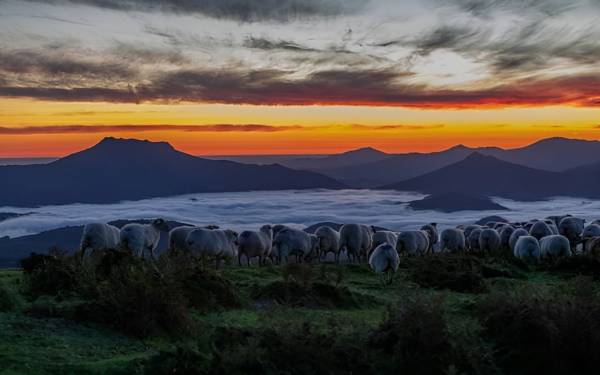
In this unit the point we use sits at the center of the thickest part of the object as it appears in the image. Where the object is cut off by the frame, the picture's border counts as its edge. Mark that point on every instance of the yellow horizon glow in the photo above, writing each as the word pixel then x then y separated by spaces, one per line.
pixel 326 129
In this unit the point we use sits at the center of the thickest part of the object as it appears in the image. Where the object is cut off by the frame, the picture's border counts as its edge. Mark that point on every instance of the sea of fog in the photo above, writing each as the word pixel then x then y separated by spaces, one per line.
pixel 298 208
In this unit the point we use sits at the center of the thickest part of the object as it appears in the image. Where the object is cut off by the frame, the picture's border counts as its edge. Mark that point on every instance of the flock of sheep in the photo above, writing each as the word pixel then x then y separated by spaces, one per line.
pixel 555 236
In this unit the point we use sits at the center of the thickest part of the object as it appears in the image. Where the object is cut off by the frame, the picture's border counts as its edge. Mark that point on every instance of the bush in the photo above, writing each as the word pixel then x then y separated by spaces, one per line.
pixel 291 348
pixel 415 338
pixel 551 335
pixel 582 264
pixel 453 272
pixel 137 296
pixel 10 299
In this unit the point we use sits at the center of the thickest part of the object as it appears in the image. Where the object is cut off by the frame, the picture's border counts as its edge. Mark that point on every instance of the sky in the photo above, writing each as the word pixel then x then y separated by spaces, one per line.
pixel 225 77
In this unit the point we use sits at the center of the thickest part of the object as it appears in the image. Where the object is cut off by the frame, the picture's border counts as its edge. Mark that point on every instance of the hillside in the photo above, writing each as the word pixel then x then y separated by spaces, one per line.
pixel 487 176
pixel 453 202
pixel 126 169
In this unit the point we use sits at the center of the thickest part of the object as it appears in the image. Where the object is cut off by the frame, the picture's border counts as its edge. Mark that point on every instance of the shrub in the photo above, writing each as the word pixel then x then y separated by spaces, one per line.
pixel 10 299
pixel 52 274
pixel 536 334
pixel 582 264
pixel 415 338
pixel 292 348
pixel 453 272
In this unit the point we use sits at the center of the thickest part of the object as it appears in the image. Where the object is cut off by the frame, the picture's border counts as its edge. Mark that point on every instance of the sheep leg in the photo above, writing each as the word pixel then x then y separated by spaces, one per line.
pixel 239 259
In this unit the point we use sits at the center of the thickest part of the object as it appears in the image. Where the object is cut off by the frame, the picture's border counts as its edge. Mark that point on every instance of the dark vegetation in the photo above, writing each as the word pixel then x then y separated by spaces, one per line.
pixel 446 314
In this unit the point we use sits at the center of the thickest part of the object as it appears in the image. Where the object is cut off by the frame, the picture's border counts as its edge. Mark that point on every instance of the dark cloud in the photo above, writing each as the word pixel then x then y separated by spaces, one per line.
pixel 268 44
pixel 78 129
pixel 238 10
pixel 50 64
pixel 483 8
pixel 332 87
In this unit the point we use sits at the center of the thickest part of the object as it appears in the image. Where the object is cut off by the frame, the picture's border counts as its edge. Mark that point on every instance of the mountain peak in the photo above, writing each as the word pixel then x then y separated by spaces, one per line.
pixel 131 142
pixel 365 151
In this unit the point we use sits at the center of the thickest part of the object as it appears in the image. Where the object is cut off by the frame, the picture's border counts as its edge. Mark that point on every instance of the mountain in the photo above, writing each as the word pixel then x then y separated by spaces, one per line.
pixel 552 154
pixel 349 158
pixel 128 169
pixel 367 168
pixel 483 175
pixel 453 202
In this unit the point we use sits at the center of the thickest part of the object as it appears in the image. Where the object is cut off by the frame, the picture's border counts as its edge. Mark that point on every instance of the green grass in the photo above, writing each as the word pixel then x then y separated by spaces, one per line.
pixel 34 344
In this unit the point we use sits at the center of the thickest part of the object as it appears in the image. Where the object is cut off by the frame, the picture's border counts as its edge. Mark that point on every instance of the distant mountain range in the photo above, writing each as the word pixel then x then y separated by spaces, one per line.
pixel 368 168
pixel 482 175
pixel 127 169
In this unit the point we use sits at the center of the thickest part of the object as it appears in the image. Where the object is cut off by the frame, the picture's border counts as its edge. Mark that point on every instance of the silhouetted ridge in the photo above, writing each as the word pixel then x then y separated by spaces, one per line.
pixel 128 169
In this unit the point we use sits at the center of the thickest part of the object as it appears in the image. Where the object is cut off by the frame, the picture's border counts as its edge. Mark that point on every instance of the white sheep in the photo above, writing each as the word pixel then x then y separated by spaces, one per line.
pixel 99 237
pixel 384 261
pixel 177 237
pixel 254 244
pixel 452 240
pixel 505 234
pixel 329 241
pixel 412 242
pixel 432 234
pixel 540 229
pixel 384 236
pixel 571 227
pixel 514 237
pixel 590 231
pixel 489 241
pixel 469 228
pixel 356 240
pixel 555 246
pixel 527 248
pixel 218 244
pixel 142 239
pixel 473 239
pixel 296 242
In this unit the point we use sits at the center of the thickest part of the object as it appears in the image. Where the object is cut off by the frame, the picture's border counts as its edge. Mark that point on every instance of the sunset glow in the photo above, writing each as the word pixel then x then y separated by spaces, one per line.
pixel 212 80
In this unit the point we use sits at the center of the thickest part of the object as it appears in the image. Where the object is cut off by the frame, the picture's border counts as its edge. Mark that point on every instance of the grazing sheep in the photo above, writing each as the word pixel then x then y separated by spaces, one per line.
pixel 219 243
pixel 384 236
pixel 254 244
pixel 356 239
pixel 527 248
pixel 99 237
pixel 514 237
pixel 489 241
pixel 540 230
pixel 295 242
pixel 557 218
pixel 384 261
pixel 432 235
pixel 412 242
pixel 469 228
pixel 592 230
pixel 555 246
pixel 329 241
pixel 452 240
pixel 140 239
pixel 473 239
pixel 177 237
pixel 592 246
pixel 505 234
pixel 571 227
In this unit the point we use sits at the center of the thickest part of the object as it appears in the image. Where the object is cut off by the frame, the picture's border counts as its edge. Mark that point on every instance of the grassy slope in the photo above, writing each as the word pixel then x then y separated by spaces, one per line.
pixel 30 344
